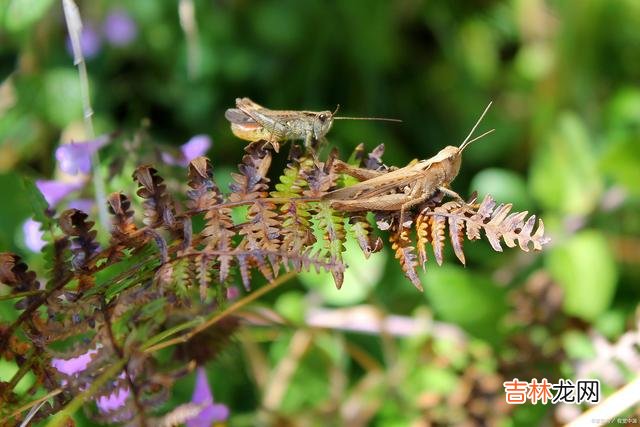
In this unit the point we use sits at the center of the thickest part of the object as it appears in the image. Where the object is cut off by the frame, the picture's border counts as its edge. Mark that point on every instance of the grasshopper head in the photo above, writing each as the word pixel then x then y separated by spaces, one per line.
pixel 449 158
pixel 322 124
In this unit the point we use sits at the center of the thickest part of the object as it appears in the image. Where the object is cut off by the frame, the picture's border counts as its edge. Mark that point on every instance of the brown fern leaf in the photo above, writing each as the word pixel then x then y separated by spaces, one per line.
pixel 16 274
pixel 423 235
pixel 456 234
pixel 203 193
pixel 122 225
pixel 405 253
pixel 374 159
pixel 218 234
pixel 438 224
pixel 307 259
pixel 361 229
pixel 498 223
pixel 262 230
pixel 252 182
pixel 74 224
pixel 158 206
pixel 476 221
pixel 218 231
pixel 321 177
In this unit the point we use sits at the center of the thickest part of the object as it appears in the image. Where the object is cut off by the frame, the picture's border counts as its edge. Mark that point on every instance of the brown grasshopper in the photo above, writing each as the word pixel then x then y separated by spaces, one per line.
pixel 253 122
pixel 402 188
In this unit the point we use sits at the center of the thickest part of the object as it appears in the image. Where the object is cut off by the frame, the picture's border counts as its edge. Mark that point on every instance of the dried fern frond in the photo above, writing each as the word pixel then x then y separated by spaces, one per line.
pixel 432 220
pixel 404 252
pixel 158 205
pixel 498 223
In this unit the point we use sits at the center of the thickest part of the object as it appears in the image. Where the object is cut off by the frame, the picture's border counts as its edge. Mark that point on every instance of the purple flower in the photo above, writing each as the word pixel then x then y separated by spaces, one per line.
pixel 76 156
pixel 84 205
pixel 233 293
pixel 113 401
pixel 55 191
pixel 33 235
pixel 119 28
pixel 202 395
pixel 75 364
pixel 195 147
pixel 90 42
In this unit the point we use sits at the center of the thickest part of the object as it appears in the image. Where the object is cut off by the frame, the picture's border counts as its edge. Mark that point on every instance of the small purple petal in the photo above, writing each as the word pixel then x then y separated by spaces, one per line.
pixel 119 28
pixel 113 401
pixel 84 205
pixel 202 395
pixel 33 235
pixel 195 147
pixel 233 293
pixel 76 156
pixel 55 191
pixel 74 365
pixel 169 159
pixel 90 42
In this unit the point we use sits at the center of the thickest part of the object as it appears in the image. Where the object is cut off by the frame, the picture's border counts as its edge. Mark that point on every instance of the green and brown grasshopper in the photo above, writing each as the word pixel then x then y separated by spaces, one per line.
pixel 402 188
pixel 253 122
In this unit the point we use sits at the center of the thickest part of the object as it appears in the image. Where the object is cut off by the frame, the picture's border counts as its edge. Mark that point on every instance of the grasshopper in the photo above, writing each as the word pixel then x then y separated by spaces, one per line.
pixel 253 122
pixel 402 188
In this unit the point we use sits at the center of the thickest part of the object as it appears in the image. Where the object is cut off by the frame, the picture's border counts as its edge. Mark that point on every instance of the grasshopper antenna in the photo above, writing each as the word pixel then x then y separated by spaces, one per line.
pixel 467 141
pixel 379 119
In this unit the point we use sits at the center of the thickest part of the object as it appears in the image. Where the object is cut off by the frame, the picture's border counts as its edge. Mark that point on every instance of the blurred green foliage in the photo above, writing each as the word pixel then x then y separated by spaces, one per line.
pixel 563 76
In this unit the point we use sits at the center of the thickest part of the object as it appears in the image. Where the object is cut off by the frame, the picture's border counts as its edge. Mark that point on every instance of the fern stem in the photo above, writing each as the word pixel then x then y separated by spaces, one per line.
pixel 24 368
pixel 216 317
pixel 21 294
pixel 276 200
pixel 187 14
pixel 172 331
pixel 35 402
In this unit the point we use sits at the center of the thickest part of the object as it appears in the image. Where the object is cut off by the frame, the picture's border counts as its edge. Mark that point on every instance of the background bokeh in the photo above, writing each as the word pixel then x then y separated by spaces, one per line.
pixel 564 80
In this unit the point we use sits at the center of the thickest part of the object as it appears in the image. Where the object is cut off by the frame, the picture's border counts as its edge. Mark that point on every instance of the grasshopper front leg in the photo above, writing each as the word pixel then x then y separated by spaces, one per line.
pixel 449 192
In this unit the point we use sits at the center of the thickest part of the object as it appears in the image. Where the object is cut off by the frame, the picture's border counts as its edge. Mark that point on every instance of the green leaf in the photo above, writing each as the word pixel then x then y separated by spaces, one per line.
pixel 37 202
pixel 504 185
pixel 478 48
pixel 291 305
pixel 564 174
pixel 62 96
pixel 585 269
pixel 359 278
pixel 578 345
pixel 621 159
pixel 471 301
pixel 21 14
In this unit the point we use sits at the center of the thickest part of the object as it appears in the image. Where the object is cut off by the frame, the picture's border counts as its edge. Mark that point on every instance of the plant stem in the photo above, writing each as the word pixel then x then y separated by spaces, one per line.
pixel 74 27
pixel 149 347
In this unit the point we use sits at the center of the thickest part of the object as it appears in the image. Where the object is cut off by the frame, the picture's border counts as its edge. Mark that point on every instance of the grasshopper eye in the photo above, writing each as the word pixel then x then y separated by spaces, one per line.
pixel 322 117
